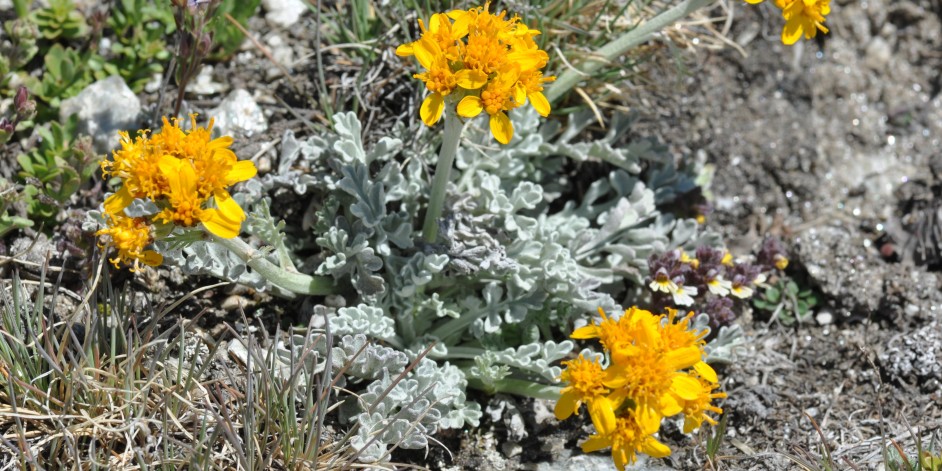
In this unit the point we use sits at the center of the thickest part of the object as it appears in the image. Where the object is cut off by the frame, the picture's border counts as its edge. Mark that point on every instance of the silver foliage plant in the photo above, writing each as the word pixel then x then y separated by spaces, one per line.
pixel 515 266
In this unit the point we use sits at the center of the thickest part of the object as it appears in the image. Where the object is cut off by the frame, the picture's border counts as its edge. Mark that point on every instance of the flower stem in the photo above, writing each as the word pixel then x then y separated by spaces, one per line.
pixel 446 159
pixel 290 281
pixel 610 51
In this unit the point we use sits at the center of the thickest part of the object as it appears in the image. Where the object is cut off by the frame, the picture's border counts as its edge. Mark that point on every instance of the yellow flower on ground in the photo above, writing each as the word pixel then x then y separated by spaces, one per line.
pixel 633 434
pixel 129 236
pixel 656 370
pixel 802 18
pixel 186 205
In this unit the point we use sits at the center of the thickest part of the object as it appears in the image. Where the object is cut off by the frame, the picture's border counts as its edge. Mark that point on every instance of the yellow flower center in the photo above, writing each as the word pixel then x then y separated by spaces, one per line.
pixel 439 80
pixel 484 53
pixel 497 97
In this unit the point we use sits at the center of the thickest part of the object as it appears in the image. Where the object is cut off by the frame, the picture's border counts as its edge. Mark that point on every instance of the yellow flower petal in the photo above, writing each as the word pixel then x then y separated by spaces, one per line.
pixel 228 207
pixel 152 258
pixel 705 371
pixel 670 406
pixel 686 387
pixel 566 406
pixel 241 171
pixel 432 107
pixel 683 357
pixel 596 443
pixel 220 225
pixel 425 51
pixel 471 79
pixel 654 448
pixel 502 128
pixel 540 103
pixel 585 332
pixel 470 106
pixel 405 50
pixel 603 415
pixel 118 201
pixel 791 33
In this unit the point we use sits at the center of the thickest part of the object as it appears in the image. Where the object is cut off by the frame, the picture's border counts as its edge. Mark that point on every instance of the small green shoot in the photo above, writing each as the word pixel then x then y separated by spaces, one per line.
pixel 787 302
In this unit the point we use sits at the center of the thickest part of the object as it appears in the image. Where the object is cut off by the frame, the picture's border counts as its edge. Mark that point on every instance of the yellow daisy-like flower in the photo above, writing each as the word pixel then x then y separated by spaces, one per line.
pixel 657 370
pixel 182 173
pixel 186 205
pixel 440 79
pixel 490 62
pixel 584 378
pixel 136 164
pixel 802 18
pixel 633 434
pixel 129 236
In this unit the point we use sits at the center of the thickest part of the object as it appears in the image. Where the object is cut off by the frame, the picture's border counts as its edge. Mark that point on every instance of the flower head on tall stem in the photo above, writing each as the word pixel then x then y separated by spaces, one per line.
pixel 489 61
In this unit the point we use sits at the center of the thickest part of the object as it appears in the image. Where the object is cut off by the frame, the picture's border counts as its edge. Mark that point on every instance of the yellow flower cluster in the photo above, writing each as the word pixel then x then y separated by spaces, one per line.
pixel 185 173
pixel 488 62
pixel 655 370
pixel 802 18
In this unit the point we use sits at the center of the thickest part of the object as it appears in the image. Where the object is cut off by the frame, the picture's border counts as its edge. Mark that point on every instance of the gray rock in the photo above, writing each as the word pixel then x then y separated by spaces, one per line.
pixel 238 113
pixel 104 108
pixel 915 357
pixel 283 13
pixel 878 54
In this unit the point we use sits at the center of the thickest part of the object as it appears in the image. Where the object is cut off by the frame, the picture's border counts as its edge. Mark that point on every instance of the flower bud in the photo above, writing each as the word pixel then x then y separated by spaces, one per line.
pixel 205 44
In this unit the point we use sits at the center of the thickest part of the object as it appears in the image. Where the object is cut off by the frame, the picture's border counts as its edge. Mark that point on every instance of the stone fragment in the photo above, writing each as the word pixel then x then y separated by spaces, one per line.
pixel 238 113
pixel 104 108
pixel 283 13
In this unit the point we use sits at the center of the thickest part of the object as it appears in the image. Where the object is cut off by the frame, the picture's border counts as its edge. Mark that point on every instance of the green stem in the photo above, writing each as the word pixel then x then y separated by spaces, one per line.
pixel 290 281
pixel 610 51
pixel 518 387
pixel 446 159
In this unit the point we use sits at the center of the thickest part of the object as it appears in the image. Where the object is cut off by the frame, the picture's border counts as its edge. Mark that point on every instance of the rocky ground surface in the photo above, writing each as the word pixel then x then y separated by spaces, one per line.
pixel 834 146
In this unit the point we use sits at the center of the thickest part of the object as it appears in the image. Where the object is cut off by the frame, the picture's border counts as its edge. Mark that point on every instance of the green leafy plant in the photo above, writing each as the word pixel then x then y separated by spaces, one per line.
pixel 56 169
pixel 65 75
pixel 227 37
pixel 21 48
pixel 140 52
pixel 787 301
pixel 60 20
pixel 8 197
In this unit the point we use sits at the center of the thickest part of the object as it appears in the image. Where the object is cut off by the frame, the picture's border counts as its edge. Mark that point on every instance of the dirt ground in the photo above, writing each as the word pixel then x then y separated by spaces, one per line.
pixel 833 145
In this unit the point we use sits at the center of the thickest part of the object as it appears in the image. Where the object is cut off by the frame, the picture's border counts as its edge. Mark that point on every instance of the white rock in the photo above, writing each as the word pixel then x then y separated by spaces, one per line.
pixel 824 318
pixel 283 13
pixel 238 113
pixel 203 83
pixel 104 108
pixel 878 53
